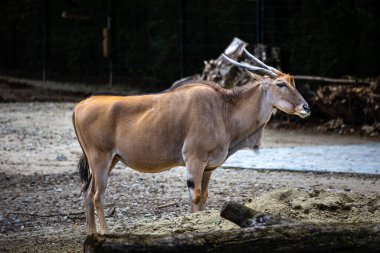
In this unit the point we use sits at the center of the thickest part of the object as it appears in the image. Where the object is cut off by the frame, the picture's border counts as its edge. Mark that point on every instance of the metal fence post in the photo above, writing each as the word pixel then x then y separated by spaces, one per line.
pixel 262 21
pixel 45 38
pixel 182 12
pixel 109 27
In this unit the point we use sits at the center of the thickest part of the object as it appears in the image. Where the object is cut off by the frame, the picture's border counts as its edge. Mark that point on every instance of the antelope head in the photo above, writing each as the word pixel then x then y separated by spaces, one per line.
pixel 280 87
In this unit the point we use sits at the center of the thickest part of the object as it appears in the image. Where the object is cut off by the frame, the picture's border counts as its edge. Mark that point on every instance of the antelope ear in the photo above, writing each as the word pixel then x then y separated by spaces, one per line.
pixel 255 76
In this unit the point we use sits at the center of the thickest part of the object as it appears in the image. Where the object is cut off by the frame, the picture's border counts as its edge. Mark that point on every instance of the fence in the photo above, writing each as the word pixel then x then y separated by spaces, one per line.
pixel 157 42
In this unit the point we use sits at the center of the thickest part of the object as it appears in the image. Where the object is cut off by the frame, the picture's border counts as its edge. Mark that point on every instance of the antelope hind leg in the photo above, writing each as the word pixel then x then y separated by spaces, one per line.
pixel 89 208
pixel 100 168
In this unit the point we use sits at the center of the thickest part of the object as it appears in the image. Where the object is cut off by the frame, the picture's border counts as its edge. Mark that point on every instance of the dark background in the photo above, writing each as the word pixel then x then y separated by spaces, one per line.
pixel 158 41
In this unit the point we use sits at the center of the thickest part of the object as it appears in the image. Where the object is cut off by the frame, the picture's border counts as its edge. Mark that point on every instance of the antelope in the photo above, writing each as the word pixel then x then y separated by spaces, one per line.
pixel 197 125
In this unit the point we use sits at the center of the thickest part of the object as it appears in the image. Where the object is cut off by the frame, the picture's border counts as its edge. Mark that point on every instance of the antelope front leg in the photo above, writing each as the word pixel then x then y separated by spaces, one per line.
pixel 205 181
pixel 194 174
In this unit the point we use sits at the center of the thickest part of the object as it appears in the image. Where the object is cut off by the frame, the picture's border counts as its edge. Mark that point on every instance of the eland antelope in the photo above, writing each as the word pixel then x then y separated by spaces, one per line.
pixel 197 125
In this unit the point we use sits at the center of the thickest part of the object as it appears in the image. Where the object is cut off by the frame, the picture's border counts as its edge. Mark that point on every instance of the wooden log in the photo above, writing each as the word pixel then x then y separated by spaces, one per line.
pixel 247 217
pixel 299 237
pixel 238 214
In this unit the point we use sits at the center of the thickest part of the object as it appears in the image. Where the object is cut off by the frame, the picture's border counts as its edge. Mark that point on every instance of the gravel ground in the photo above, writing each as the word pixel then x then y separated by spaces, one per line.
pixel 40 203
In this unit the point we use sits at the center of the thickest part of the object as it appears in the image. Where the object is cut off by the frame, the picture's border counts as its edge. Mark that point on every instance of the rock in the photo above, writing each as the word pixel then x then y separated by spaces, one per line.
pixel 368 129
pixel 61 157
pixel 333 124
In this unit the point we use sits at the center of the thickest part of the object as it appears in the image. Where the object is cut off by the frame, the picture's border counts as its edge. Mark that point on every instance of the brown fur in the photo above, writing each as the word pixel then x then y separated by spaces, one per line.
pixel 229 95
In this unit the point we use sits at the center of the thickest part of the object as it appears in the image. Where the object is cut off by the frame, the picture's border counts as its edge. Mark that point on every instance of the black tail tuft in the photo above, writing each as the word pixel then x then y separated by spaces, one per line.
pixel 84 172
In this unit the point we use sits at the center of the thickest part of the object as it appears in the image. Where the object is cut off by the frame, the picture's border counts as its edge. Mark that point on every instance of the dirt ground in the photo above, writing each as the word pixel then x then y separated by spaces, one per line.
pixel 41 207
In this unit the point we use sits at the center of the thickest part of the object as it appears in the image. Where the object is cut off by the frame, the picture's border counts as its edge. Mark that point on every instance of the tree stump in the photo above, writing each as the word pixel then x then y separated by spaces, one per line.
pixel 224 73
pixel 227 75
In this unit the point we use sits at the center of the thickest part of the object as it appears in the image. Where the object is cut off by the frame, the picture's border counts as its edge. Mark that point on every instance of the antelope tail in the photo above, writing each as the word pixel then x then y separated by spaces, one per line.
pixel 83 167
pixel 84 172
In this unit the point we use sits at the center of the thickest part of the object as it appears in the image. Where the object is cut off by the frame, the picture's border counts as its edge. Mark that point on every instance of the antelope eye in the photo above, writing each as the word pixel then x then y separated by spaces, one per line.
pixel 281 85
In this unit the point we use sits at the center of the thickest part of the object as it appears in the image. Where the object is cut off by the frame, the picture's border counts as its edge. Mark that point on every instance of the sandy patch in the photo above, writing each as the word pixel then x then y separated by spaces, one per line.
pixel 320 205
pixel 204 221
pixel 314 206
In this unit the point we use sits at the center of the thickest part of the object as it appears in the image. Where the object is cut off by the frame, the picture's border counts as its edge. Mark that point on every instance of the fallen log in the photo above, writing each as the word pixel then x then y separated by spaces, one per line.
pixel 261 232
pixel 299 237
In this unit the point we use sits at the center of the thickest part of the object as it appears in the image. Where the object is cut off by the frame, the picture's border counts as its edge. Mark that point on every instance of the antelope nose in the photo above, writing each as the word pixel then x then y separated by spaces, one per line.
pixel 306 108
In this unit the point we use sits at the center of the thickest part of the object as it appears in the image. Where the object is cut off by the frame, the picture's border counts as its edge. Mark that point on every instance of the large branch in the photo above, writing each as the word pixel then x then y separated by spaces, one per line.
pixel 299 237
pixel 332 80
